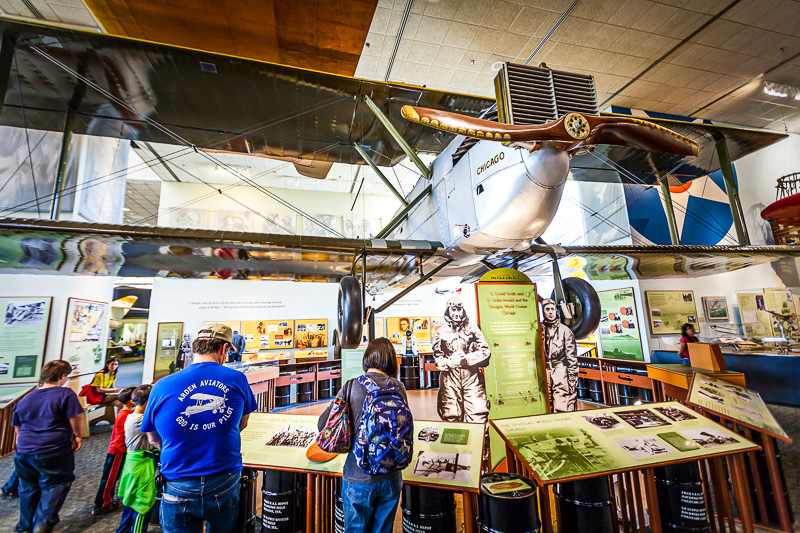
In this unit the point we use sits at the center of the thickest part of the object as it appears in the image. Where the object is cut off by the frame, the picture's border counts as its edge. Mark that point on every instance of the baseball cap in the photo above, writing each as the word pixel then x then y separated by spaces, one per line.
pixel 216 331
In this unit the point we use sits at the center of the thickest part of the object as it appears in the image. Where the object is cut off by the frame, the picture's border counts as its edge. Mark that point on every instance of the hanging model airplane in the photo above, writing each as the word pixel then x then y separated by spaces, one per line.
pixel 482 204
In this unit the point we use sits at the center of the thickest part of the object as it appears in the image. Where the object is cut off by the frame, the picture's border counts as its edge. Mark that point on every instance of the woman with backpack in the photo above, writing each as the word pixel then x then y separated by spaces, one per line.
pixel 383 441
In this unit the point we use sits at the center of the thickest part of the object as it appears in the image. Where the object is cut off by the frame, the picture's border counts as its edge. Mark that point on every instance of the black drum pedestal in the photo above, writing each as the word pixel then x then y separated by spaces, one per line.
pixel 283 502
pixel 338 508
pixel 337 384
pixel 583 389
pixel 324 389
pixel 304 392
pixel 585 505
pixel 282 396
pixel 247 519
pixel 681 501
pixel 507 504
pixel 428 510
pixel 628 395
pixel 409 372
pixel 596 390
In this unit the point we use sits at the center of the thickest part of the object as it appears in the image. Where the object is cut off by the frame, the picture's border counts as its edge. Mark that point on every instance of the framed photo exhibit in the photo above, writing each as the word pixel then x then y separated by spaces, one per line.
pixel 715 307
pixel 268 334
pixel 311 333
pixel 620 328
pixel 170 336
pixel 84 346
pixel 669 310
pixel 420 327
pixel 23 337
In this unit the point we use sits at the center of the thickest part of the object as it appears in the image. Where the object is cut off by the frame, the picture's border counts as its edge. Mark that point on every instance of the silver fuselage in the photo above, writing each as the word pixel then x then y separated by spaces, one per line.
pixel 494 198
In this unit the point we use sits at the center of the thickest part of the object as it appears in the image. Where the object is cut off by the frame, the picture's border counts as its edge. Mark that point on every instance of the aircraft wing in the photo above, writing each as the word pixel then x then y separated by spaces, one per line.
pixel 642 167
pixel 145 91
pixel 63 247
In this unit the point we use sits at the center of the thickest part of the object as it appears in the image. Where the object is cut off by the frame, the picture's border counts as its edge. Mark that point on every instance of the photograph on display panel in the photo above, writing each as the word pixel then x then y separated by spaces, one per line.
pixel 311 333
pixel 23 337
pixel 83 345
pixel 396 328
pixel 669 310
pixel 620 328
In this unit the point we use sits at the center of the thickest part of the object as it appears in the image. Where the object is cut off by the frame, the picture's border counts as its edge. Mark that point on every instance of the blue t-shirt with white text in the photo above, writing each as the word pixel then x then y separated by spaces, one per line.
pixel 197 413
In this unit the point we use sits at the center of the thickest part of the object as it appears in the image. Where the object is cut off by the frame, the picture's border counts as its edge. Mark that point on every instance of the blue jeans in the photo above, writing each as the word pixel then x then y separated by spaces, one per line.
pixel 370 507
pixel 186 504
pixel 44 482
pixel 12 485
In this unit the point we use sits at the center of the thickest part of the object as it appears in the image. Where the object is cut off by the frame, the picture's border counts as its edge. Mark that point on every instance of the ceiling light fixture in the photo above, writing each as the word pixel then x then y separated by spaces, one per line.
pixel 782 91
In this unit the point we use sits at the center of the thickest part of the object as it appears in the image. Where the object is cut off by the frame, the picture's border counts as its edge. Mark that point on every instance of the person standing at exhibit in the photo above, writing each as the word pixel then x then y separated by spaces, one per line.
pixel 560 353
pixel 48 423
pixel 687 337
pixel 238 347
pixel 194 417
pixel 369 501
pixel 460 352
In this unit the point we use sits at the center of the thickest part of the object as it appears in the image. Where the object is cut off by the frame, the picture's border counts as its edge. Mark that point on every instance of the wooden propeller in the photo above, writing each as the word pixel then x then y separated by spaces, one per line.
pixel 570 132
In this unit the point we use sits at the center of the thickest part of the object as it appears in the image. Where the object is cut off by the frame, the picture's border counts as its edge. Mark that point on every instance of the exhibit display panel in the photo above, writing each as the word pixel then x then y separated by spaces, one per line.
pixel 311 333
pixel 567 446
pixel 352 364
pixel 734 402
pixel 10 393
pixel 669 310
pixel 268 334
pixel 446 454
pixel 620 328
pixel 23 337
pixel 84 346
pixel 310 354
pixel 420 327
pixel 169 340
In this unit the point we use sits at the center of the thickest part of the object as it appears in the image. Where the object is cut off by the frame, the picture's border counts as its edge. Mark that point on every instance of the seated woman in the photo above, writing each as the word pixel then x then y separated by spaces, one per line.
pixel 687 336
pixel 102 387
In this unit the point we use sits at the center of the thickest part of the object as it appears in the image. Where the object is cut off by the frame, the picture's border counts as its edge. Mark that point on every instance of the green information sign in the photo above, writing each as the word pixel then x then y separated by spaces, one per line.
pixel 352 364
pixel 23 337
pixel 169 341
pixel 565 446
pixel 619 325
pixel 733 401
pixel 669 310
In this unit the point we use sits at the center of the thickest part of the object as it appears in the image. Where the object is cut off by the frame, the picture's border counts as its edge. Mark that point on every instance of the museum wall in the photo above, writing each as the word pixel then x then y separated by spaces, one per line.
pixel 196 205
pixel 194 301
pixel 61 288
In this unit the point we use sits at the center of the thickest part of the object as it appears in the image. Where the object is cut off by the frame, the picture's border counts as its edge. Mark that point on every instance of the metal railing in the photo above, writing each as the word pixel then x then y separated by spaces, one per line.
pixel 787 186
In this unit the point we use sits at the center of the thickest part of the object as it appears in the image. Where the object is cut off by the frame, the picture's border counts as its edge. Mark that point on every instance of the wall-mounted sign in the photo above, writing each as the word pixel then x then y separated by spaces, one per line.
pixel 311 333
pixel 23 337
pixel 268 334
pixel 84 344
pixel 619 325
pixel 170 337
pixel 669 310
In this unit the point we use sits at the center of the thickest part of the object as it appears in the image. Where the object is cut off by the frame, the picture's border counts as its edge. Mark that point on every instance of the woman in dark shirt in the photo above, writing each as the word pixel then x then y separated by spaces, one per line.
pixel 369 501
pixel 48 423
pixel 687 336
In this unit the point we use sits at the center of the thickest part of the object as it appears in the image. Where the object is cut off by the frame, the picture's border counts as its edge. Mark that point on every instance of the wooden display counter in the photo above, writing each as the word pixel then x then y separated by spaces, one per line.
pixel 617 380
pixel 674 380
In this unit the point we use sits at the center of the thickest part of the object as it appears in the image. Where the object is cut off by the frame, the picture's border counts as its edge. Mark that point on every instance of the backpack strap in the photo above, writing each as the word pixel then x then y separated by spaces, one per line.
pixel 368 383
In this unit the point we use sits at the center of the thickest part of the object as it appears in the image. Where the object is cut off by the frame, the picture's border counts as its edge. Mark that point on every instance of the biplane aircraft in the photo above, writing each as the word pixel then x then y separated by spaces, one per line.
pixel 482 204
pixel 205 402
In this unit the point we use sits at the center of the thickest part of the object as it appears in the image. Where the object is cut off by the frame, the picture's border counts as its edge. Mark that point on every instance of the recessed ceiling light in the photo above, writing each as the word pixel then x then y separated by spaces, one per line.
pixel 473 61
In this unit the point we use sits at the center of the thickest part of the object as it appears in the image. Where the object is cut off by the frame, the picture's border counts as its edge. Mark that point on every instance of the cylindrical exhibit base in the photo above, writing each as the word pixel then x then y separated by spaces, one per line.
pixel 428 510
pixel 585 505
pixel 283 502
pixel 507 504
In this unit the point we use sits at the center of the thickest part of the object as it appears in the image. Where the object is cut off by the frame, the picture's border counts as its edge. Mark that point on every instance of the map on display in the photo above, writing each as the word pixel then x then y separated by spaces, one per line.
pixel 619 325
pixel 82 346
pixel 23 333
pixel 733 401
pixel 311 333
pixel 445 454
pixel 669 310
pixel 564 446
pixel 268 334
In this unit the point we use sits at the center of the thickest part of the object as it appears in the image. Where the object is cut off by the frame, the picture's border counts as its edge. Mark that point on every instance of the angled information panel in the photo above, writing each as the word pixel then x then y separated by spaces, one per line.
pixel 732 401
pixel 446 454
pixel 565 446
pixel 23 337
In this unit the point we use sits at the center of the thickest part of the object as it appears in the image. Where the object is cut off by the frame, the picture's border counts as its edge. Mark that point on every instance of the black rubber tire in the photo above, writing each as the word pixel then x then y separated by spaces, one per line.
pixel 351 313
pixel 588 309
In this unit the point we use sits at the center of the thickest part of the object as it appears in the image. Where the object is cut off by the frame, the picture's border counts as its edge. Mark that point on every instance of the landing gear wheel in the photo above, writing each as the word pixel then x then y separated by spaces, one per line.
pixel 351 312
pixel 587 307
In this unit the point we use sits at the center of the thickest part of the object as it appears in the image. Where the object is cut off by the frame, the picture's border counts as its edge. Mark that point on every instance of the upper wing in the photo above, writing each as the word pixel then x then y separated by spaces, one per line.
pixel 145 91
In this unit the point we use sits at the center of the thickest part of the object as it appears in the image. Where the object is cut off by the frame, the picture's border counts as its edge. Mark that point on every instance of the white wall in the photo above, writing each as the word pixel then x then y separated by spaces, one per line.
pixel 61 288
pixel 194 301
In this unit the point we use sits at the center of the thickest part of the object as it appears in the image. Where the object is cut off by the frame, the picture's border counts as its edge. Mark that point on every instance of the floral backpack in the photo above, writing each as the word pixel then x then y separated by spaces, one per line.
pixel 337 435
pixel 385 437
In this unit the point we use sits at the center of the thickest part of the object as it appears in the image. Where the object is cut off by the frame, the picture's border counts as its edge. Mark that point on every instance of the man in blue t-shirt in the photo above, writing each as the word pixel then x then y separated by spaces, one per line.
pixel 195 417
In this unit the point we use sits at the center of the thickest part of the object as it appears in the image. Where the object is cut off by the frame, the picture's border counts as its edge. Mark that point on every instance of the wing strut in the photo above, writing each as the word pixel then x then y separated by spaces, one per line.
pixel 403 213
pixel 365 156
pixel 397 137
pixel 413 286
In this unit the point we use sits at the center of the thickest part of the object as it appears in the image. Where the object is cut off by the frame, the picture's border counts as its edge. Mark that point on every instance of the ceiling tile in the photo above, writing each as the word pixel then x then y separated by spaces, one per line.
pixel 462 80
pixel 501 15
pixel 512 44
pixel 380 20
pixel 419 6
pixel 782 47
pixel 718 32
pixel 485 40
pixel 373 45
pixel 494 58
pixel 74 15
pixel 472 11
pixel 473 61
pixel 743 41
pixel 629 12
pixel 628 66
pixel 432 33
pixel 460 35
pixel 629 42
pixel 443 9
pixel 531 46
pixel 690 54
pixel 682 24
pixel 597 10
pixel 438 77
pixel 528 21
pixel 725 84
pixel 654 17
pixel 449 57
pixel 577 31
pixel 703 80
pixel 560 53
pixel 483 85
pixel 556 6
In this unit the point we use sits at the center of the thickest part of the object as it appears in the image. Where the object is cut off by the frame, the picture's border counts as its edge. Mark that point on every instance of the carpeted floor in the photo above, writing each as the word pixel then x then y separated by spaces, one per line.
pixel 76 515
